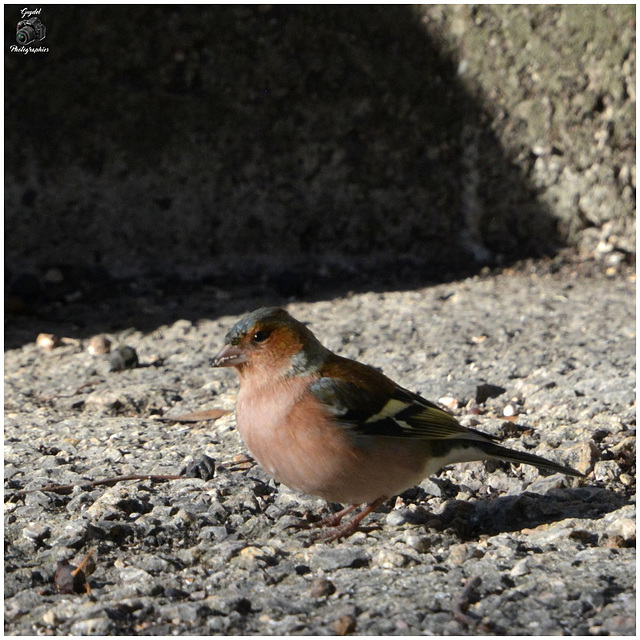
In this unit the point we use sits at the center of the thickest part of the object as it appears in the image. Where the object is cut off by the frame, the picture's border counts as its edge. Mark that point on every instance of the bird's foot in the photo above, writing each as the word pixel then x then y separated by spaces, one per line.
pixel 334 519
pixel 335 530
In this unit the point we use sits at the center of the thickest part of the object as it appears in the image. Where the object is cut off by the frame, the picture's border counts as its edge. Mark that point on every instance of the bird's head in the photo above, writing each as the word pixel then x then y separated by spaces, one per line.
pixel 272 341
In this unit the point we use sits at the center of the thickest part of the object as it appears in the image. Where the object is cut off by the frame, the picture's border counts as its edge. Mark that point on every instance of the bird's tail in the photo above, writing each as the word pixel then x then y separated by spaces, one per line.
pixel 518 457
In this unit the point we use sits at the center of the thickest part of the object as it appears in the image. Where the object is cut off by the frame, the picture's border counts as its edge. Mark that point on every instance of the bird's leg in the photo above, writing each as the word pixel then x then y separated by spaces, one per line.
pixel 350 526
pixel 333 519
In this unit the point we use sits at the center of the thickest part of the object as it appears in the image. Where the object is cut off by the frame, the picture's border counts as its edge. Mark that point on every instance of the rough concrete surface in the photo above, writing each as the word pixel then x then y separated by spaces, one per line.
pixel 478 549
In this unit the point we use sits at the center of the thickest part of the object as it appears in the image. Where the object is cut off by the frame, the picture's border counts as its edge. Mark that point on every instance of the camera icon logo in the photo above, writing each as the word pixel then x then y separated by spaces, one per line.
pixel 30 30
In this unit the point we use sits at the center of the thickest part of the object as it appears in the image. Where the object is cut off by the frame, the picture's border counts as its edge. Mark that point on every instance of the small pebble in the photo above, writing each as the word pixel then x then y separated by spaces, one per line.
pixel 99 344
pixel 123 358
pixel 520 568
pixel 510 411
pixel 431 487
pixel 50 618
pixel 36 532
pixel 606 470
pixel 449 402
pixel 614 542
pixel 420 543
pixel 204 468
pixel 48 341
pixel 344 625
pixel 253 553
pixel 91 627
pixel 582 456
pixel 321 588
pixel 625 527
pixel 397 517
pixel 462 552
pixel 388 559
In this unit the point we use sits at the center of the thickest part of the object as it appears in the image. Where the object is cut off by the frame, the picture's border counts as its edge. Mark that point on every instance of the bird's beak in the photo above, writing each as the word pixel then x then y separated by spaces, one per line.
pixel 228 356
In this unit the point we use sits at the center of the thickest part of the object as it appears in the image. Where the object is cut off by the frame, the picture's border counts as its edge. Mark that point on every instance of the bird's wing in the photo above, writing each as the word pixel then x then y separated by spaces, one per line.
pixel 365 400
pixel 370 404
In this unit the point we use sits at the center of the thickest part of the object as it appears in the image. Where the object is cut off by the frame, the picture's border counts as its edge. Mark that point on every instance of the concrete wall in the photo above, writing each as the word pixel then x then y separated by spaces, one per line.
pixel 162 138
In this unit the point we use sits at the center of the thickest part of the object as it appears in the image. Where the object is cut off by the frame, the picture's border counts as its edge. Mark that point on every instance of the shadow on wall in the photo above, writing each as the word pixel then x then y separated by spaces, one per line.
pixel 294 149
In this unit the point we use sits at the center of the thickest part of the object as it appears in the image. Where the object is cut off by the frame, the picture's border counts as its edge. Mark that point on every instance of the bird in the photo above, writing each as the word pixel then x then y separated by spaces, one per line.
pixel 336 428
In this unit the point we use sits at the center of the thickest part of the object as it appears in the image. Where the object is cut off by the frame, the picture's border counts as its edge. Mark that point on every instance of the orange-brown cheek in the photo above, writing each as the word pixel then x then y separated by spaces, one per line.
pixel 284 343
pixel 273 357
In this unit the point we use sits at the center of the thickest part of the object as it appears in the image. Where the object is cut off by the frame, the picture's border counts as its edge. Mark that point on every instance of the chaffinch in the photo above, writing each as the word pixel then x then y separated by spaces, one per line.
pixel 339 429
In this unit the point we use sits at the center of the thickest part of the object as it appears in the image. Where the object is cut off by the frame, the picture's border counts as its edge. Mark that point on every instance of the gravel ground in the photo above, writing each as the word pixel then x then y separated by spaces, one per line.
pixel 479 549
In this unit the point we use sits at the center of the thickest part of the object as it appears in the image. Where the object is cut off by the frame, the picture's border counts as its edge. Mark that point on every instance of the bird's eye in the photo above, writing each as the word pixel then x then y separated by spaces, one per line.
pixel 260 336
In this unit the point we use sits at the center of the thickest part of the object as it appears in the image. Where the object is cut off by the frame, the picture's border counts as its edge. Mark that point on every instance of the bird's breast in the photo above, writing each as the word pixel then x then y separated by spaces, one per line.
pixel 296 440
pixel 293 438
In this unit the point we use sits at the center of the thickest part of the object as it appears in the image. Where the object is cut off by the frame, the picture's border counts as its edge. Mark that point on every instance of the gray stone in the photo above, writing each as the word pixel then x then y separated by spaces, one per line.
pixel 92 627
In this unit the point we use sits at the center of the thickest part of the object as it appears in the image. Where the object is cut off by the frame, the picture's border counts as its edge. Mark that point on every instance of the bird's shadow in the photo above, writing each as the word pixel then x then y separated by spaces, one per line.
pixel 473 519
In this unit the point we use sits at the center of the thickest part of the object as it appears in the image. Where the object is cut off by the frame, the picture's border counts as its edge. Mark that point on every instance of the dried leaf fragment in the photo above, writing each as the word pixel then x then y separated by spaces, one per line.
pixel 197 416
pixel 70 579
